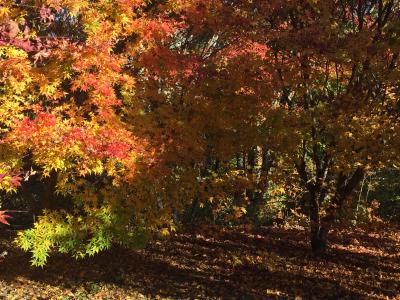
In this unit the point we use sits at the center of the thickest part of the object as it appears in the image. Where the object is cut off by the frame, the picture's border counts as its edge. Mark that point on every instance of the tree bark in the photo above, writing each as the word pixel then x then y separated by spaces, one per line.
pixel 320 227
pixel 345 185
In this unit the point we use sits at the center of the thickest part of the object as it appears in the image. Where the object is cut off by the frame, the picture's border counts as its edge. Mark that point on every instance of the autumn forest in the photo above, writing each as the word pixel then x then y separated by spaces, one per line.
pixel 199 149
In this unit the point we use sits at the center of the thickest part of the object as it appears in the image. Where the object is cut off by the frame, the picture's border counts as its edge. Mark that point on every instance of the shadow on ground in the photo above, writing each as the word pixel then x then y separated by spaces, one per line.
pixel 264 263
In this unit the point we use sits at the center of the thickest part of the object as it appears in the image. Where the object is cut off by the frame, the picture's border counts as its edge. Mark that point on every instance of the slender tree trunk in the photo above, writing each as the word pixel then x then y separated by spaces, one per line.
pixel 264 156
pixel 319 227
pixel 251 163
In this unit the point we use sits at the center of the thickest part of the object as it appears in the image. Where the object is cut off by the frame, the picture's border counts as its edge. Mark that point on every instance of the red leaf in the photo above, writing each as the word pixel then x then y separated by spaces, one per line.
pixel 4 217
pixel 16 181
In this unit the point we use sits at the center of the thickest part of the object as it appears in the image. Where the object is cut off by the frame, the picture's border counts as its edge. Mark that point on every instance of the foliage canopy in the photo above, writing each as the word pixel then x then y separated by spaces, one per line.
pixel 117 115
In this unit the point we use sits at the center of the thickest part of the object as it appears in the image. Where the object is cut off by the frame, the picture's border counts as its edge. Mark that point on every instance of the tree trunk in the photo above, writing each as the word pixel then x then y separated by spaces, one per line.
pixel 318 228
pixel 319 240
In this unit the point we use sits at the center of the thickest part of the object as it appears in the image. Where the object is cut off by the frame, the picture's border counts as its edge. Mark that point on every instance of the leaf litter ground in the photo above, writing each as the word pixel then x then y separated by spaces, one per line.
pixel 239 263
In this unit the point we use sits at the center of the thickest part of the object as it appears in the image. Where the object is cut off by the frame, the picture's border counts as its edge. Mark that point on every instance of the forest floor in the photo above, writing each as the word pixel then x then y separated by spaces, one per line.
pixel 240 263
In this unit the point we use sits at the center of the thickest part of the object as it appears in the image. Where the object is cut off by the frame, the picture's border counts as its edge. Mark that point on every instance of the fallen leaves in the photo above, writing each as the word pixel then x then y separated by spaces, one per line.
pixel 235 264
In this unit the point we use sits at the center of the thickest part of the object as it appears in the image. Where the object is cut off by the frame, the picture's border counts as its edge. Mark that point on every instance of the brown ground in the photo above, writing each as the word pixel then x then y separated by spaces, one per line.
pixel 266 263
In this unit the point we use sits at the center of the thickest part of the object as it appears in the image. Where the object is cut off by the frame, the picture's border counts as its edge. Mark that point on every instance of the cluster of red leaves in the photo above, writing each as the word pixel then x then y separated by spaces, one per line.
pixel 4 217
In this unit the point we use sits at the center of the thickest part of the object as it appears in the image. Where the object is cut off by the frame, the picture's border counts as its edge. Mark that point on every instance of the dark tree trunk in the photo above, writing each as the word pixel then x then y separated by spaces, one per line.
pixel 319 240
pixel 320 226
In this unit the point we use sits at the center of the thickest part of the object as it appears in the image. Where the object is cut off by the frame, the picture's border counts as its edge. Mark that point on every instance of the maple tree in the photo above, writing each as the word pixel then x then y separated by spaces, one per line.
pixel 119 114
pixel 346 95
pixel 312 81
